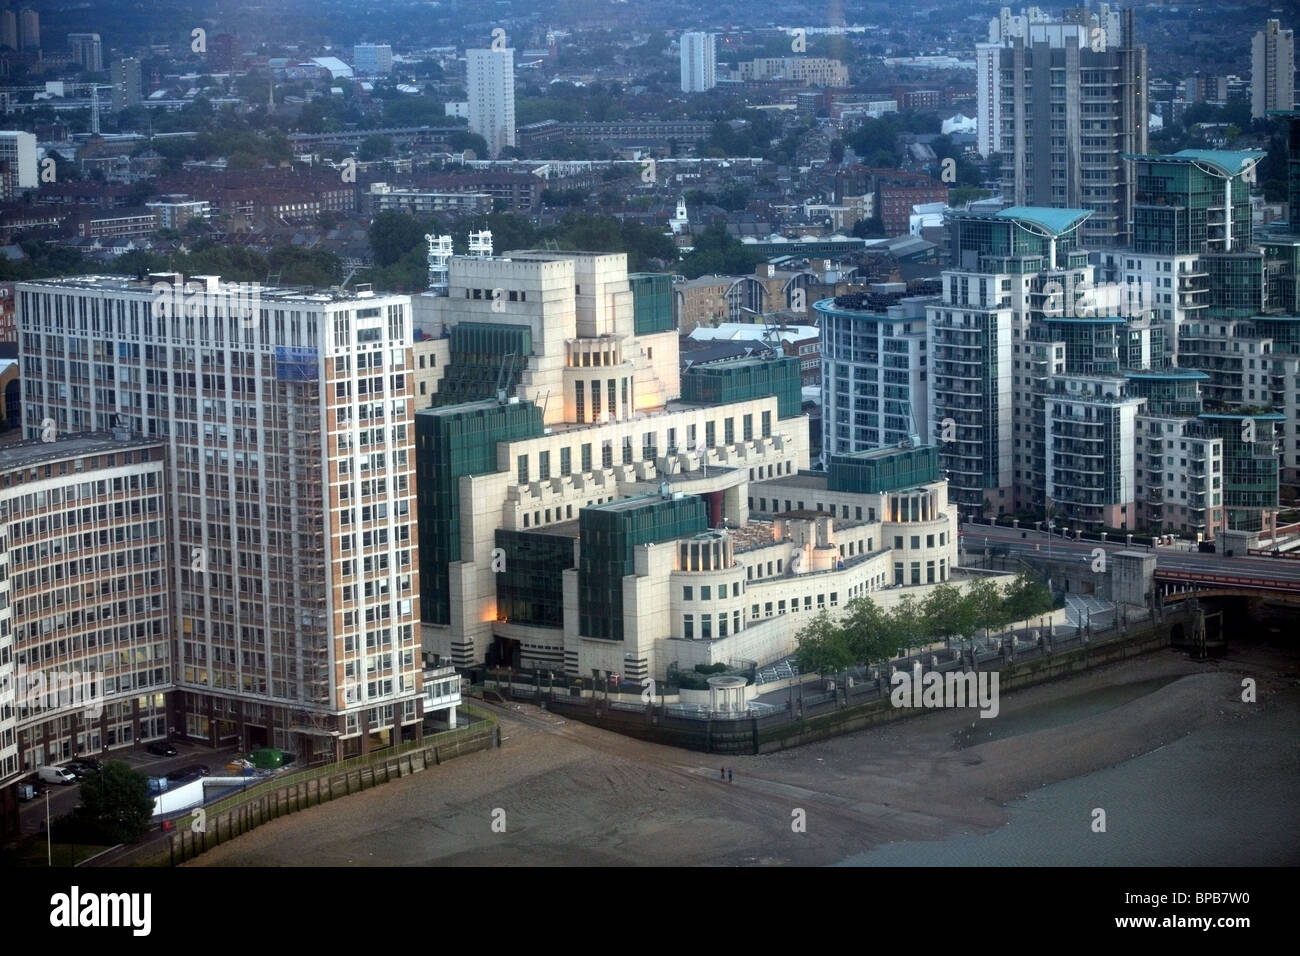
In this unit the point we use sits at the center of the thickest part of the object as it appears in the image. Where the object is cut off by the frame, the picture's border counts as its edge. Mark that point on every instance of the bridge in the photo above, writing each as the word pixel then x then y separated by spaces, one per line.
pixel 1172 573
pixel 1178 585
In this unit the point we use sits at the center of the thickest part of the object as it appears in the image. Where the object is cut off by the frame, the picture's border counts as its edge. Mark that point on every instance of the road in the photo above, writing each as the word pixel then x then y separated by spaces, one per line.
pixel 1168 558
pixel 65 798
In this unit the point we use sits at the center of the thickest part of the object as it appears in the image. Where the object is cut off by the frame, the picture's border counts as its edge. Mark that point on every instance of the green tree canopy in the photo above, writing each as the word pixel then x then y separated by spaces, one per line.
pixel 375 147
pixel 115 801
pixel 823 647
pixel 948 614
pixel 718 252
pixel 869 631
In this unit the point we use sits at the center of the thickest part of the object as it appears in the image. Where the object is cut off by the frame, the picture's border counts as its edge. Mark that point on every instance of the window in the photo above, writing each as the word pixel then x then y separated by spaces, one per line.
pixel 688 594
pixel 688 626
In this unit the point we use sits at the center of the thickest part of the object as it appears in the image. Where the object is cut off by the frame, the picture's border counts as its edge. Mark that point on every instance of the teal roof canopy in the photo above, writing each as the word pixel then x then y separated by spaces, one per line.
pixel 1226 162
pixel 1049 218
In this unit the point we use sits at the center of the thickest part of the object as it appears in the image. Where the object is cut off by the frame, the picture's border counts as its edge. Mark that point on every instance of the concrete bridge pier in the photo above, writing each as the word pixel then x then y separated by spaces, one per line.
pixel 1132 576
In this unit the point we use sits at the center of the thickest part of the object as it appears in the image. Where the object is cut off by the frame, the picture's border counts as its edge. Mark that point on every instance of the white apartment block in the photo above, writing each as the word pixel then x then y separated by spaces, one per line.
pixel 699 62
pixel 372 59
pixel 287 420
pixel 971 393
pixel 874 371
pixel 1176 284
pixel 808 70
pixel 85 611
pixel 1179 474
pixel 19 151
pixel 490 76
pixel 175 213
pixel 1091 449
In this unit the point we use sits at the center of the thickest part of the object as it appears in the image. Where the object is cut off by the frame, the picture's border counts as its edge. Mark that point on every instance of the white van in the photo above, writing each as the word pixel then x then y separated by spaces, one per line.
pixel 57 775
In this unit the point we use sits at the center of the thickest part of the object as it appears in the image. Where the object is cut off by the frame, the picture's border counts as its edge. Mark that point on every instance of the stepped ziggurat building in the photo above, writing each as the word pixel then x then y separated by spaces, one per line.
pixel 586 507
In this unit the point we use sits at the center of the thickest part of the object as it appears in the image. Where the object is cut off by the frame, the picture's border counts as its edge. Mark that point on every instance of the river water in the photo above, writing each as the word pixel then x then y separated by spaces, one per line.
pixel 1224 795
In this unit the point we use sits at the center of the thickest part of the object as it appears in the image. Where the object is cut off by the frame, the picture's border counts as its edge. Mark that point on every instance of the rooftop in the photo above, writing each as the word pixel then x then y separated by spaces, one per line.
pixel 35 452
pixel 1053 220
pixel 106 283
pixel 804 479
pixel 1226 162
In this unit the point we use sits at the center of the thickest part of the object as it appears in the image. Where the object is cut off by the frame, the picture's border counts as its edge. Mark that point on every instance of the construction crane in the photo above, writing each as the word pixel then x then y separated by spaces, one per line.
pixel 56 88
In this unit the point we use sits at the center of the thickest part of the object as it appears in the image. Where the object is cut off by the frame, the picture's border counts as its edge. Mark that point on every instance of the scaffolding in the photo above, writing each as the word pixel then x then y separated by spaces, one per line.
pixel 439 255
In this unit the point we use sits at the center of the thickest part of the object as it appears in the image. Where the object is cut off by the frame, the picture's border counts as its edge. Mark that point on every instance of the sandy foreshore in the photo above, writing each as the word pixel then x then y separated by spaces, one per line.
pixel 571 794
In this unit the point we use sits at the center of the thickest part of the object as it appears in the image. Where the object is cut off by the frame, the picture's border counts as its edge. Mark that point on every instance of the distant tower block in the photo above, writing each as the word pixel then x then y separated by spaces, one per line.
pixel 439 256
pixel 480 244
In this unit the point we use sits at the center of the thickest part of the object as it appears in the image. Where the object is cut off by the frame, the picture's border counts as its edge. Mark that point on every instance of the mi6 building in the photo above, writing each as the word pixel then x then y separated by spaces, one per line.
pixel 587 507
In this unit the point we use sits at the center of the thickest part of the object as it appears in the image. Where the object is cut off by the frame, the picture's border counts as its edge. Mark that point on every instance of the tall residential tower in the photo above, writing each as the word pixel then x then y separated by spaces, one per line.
pixel 1060 101
pixel 490 76
pixel 287 422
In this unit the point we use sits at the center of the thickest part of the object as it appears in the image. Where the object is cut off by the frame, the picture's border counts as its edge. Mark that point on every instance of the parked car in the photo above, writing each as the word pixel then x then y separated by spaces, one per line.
pixel 84 765
pixel 1206 547
pixel 161 749
pixel 57 775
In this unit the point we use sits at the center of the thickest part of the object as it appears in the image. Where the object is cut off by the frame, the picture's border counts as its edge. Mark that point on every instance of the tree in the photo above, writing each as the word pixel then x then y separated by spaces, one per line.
pixel 392 235
pixel 837 151
pixel 987 605
pixel 947 613
pixel 374 147
pixel 907 623
pixel 869 631
pixel 115 802
pixel 822 647
pixel 718 252
pixel 462 140
pixel 1027 597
